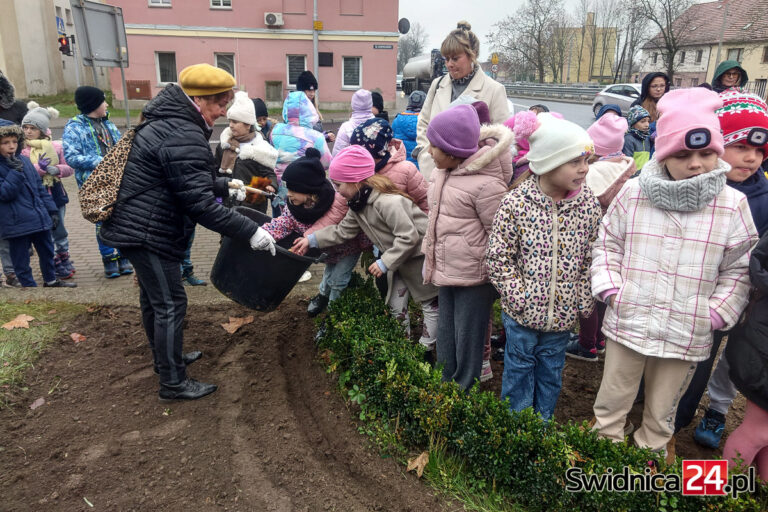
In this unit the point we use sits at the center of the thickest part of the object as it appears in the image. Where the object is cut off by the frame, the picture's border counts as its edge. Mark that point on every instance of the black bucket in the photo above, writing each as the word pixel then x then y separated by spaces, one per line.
pixel 256 279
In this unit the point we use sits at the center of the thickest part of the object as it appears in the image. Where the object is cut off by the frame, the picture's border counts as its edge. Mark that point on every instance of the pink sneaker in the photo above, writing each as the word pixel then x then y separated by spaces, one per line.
pixel 486 373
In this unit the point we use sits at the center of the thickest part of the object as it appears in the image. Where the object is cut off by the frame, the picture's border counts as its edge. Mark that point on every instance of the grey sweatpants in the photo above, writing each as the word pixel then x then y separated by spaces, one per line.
pixel 461 330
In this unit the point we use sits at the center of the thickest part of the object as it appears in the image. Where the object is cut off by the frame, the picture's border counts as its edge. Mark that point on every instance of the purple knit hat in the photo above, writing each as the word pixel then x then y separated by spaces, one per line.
pixel 455 131
pixel 361 101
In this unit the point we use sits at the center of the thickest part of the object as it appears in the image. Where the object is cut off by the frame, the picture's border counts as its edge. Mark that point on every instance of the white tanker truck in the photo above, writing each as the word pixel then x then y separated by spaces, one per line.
pixel 419 71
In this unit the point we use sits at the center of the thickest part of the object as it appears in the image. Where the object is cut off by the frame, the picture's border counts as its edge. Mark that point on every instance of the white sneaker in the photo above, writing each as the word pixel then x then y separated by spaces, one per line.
pixel 306 276
pixel 486 373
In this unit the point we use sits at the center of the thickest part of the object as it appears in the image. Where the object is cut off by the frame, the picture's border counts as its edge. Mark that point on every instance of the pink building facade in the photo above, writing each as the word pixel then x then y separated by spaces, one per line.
pixel 265 44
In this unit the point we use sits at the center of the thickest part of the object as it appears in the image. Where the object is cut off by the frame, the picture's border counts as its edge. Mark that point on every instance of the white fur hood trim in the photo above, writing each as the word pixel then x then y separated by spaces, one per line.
pixel 505 139
pixel 258 150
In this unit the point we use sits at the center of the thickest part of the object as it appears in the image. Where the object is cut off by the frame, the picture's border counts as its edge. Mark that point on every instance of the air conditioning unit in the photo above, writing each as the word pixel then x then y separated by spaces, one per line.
pixel 273 19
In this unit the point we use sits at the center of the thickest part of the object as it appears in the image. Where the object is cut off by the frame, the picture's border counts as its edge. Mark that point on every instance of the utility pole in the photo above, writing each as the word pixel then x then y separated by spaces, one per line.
pixel 722 33
pixel 76 60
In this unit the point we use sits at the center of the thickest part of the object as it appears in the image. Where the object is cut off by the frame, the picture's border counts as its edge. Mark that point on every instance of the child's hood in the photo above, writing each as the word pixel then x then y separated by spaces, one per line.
pixel 299 111
pixel 9 129
pixel 495 156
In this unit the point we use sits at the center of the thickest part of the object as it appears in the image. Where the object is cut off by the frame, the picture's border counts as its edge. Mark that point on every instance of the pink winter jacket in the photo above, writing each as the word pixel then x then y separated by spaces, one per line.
pixel 405 175
pixel 65 171
pixel 462 205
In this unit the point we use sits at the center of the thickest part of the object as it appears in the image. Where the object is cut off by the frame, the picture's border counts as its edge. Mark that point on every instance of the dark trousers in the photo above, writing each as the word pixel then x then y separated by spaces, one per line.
pixel 163 307
pixel 19 249
pixel 686 409
pixel 590 333
pixel 461 329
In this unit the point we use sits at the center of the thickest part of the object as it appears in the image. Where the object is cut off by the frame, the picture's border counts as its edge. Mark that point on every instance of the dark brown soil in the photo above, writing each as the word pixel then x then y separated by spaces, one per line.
pixel 581 381
pixel 275 436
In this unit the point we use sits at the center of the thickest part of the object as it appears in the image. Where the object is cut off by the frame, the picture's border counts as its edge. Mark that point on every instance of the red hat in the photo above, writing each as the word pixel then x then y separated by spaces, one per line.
pixel 744 117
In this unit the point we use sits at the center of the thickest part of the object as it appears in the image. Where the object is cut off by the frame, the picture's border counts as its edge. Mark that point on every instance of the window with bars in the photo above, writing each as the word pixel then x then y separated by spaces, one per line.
pixel 226 61
pixel 159 3
pixel 296 64
pixel 351 72
pixel 166 67
pixel 221 4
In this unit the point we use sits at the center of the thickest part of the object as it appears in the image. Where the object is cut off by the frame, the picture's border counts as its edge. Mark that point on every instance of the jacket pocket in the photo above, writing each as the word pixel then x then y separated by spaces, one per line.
pixel 465 260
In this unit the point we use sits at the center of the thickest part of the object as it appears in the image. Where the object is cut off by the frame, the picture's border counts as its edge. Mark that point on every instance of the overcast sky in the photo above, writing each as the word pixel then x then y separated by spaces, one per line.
pixel 439 17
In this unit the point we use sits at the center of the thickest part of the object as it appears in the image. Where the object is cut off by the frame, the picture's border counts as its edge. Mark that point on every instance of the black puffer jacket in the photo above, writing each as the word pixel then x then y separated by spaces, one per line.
pixel 172 146
pixel 747 348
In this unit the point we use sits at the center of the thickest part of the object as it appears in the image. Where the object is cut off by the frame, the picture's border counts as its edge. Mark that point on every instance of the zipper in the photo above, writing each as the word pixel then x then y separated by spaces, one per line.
pixel 553 283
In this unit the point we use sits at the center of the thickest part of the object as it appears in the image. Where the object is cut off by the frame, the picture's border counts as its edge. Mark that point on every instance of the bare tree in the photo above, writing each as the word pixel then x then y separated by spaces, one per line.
pixel 411 44
pixel 527 34
pixel 632 31
pixel 674 23
pixel 561 38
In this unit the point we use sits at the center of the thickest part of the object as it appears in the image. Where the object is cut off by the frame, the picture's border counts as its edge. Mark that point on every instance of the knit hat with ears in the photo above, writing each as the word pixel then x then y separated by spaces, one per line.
pixel 608 134
pixel 306 174
pixel 242 109
pixel 455 131
pixel 688 122
pixel 39 117
pixel 352 164
pixel 554 141
pixel 744 117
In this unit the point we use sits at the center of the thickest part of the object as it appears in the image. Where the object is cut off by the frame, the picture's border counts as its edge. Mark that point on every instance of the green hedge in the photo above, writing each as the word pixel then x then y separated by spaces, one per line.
pixel 517 452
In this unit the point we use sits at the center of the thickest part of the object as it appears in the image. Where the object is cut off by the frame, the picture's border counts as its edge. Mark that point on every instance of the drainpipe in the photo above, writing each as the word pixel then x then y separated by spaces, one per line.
pixel 314 38
pixel 722 33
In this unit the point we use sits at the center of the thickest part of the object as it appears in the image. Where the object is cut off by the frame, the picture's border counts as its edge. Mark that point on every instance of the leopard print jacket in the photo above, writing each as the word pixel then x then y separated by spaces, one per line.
pixel 539 254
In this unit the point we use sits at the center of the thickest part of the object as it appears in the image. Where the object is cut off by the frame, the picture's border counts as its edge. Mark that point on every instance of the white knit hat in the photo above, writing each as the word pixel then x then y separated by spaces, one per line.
pixel 242 109
pixel 555 142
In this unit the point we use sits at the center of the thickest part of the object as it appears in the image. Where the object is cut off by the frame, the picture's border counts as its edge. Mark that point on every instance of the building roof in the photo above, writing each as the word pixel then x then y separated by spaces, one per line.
pixel 747 21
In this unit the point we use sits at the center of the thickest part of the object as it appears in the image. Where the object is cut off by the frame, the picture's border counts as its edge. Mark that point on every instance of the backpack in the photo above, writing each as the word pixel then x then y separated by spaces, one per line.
pixel 98 195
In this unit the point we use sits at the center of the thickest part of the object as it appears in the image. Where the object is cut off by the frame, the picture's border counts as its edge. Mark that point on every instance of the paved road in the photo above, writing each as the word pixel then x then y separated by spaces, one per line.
pixel 578 113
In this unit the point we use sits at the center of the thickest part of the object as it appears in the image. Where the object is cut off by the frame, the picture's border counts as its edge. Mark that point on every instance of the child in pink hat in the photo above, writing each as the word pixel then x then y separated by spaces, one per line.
pixel 394 223
pixel 671 262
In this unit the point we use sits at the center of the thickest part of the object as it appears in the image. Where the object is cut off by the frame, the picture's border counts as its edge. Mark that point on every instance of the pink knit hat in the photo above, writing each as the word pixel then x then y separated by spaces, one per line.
pixel 688 121
pixel 352 164
pixel 455 131
pixel 608 134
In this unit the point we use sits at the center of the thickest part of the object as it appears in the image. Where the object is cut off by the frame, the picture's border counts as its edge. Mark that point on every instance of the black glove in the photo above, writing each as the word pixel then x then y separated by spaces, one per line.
pixel 55 219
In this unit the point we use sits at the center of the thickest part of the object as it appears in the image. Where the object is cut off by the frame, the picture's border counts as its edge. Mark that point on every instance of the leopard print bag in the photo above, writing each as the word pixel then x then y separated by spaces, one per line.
pixel 98 195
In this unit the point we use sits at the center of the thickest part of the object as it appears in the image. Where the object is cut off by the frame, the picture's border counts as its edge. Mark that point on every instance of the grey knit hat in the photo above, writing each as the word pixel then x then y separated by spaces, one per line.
pixel 39 117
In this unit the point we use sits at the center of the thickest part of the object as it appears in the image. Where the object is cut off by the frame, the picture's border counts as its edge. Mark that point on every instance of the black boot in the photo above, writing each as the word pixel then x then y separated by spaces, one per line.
pixel 317 304
pixel 189 389
pixel 188 358
pixel 60 284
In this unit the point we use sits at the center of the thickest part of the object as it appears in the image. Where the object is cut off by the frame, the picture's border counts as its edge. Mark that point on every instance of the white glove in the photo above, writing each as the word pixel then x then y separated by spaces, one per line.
pixel 235 183
pixel 263 241
pixel 237 193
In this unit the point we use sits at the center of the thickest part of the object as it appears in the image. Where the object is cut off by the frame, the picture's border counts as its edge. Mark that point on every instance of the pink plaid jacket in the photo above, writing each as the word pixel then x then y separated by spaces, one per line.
pixel 671 268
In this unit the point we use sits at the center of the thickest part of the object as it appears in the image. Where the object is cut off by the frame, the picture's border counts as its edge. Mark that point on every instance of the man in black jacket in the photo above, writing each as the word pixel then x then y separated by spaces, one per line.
pixel 171 151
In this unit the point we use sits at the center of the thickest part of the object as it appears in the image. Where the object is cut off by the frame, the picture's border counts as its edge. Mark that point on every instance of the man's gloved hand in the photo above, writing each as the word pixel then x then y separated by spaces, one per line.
pixel 43 162
pixel 263 241
pixel 237 193
pixel 55 219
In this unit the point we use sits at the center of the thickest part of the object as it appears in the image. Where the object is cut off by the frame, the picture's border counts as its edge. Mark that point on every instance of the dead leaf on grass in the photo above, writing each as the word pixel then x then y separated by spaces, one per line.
pixel 37 403
pixel 52 312
pixel 77 337
pixel 236 323
pixel 419 463
pixel 20 322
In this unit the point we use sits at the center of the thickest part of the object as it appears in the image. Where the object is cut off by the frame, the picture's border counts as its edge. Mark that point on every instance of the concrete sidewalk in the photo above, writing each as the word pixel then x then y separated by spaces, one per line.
pixel 93 287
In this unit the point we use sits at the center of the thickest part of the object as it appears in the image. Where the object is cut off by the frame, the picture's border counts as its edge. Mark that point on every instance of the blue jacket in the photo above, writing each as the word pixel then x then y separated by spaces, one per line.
pixel 81 147
pixel 24 202
pixel 756 189
pixel 404 128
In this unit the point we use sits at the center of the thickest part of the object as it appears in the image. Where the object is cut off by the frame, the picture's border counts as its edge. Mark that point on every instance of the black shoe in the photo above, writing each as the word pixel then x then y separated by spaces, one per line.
pixel 188 358
pixel 429 357
pixel 60 284
pixel 317 304
pixel 189 389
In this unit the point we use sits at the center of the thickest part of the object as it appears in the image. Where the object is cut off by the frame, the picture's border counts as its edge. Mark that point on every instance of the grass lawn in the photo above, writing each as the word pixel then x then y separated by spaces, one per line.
pixel 20 348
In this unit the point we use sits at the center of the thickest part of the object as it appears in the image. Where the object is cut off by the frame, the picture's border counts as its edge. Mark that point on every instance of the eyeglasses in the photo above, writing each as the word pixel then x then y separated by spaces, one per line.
pixel 734 74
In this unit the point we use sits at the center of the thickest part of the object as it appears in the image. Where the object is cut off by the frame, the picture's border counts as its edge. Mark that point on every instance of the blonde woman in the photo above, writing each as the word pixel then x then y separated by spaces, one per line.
pixel 465 77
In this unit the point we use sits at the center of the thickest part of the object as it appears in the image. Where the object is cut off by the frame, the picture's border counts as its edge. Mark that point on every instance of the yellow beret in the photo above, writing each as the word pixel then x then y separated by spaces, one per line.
pixel 204 80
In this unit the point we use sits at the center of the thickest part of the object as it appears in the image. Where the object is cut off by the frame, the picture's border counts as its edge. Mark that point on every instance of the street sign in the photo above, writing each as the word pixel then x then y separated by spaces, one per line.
pixel 60 26
pixel 100 33
pixel 383 47
pixel 495 68
pixel 317 25
pixel 494 59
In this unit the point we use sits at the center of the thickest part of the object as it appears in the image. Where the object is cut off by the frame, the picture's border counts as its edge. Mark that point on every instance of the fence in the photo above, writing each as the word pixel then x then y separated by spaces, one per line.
pixel 582 93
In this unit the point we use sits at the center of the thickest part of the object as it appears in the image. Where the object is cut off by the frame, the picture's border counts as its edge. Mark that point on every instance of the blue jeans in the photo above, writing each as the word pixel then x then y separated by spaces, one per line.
pixel 5 257
pixel 187 269
pixel 533 367
pixel 336 276
pixel 105 250
pixel 60 235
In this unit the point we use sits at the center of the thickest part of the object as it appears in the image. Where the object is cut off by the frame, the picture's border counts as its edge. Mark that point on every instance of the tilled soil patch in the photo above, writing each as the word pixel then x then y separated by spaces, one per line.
pixel 275 436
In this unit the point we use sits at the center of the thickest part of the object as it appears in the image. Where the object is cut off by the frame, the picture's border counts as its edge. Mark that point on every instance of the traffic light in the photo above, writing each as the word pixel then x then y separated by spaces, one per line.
pixel 64 45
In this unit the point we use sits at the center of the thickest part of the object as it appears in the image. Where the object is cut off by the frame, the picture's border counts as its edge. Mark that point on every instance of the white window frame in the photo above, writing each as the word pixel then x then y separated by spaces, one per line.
pixel 359 85
pixel 157 68
pixel 288 70
pixel 216 56
pixel 159 3
pixel 221 5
